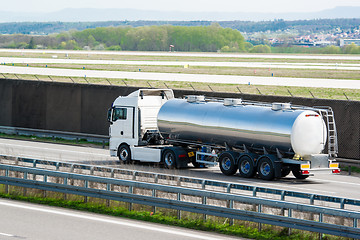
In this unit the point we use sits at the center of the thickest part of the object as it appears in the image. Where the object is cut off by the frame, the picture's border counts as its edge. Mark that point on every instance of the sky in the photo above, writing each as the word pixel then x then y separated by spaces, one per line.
pixel 181 5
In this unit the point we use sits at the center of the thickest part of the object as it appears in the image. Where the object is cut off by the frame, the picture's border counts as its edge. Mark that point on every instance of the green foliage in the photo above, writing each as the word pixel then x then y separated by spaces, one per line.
pixel 260 49
pixel 149 38
pixel 351 49
pixel 331 50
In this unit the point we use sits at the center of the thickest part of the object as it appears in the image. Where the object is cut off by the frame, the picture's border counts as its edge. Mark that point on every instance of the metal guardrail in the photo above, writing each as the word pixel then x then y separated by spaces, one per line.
pixel 181 204
pixel 54 134
pixel 204 184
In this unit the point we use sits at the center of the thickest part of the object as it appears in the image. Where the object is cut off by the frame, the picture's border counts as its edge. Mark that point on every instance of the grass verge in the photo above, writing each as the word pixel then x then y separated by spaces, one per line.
pixel 210 226
pixel 82 142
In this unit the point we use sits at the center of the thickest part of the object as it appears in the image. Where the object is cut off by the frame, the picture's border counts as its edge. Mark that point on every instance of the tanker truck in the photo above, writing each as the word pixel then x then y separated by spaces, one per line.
pixel 268 140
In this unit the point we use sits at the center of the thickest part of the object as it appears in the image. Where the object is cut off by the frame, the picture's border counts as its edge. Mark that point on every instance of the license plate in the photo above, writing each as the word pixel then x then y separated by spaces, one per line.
pixel 191 154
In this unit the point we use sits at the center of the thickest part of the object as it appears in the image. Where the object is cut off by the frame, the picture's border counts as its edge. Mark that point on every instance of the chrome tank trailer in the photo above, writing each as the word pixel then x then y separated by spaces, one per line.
pixel 274 126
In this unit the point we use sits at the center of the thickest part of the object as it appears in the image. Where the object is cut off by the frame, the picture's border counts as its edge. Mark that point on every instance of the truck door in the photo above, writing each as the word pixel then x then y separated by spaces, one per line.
pixel 122 122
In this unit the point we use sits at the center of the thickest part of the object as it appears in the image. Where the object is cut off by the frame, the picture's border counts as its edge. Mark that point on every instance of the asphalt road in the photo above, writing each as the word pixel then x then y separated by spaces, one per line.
pixel 325 184
pixel 179 77
pixel 21 220
pixel 323 66
pixel 189 54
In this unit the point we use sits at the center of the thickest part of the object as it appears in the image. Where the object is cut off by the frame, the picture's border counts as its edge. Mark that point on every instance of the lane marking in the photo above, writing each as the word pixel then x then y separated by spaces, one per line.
pixel 349 183
pixel 52 149
pixel 7 235
pixel 118 222
pixel 284 185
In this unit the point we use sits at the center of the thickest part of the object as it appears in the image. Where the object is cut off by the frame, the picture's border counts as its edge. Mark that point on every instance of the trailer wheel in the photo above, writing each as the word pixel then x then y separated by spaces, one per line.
pixel 124 154
pixel 246 167
pixel 285 171
pixel 227 164
pixel 169 159
pixel 266 169
pixel 297 173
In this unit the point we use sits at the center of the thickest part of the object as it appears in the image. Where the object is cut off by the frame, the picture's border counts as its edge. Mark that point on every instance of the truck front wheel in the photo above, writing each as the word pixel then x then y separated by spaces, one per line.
pixel 227 164
pixel 169 159
pixel 124 154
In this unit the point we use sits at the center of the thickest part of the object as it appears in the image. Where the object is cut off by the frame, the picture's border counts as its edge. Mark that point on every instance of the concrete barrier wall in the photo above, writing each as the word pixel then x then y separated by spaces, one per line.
pixel 83 108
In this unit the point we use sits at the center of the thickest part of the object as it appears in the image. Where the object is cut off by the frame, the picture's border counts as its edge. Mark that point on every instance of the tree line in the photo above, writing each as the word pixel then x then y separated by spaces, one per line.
pixel 148 38
pixel 310 26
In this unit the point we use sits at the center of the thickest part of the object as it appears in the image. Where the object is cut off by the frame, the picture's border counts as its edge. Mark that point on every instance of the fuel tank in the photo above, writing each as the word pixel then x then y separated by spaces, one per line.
pixel 234 123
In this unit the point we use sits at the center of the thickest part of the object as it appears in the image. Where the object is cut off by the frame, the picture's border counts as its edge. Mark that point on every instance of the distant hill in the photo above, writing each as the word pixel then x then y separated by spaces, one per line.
pixel 302 26
pixel 91 15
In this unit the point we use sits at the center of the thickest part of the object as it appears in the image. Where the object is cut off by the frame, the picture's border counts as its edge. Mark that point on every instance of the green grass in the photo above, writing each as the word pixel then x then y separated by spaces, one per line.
pixel 197 224
pixel 325 93
pixel 353 169
pixel 238 71
pixel 52 140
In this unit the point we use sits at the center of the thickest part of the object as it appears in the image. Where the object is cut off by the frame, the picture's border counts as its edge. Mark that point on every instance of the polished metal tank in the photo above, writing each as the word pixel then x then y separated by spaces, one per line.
pixel 234 123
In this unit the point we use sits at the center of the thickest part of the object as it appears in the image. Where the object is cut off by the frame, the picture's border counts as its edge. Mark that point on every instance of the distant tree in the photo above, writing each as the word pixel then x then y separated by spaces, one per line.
pixel 331 50
pixel 261 49
pixel 31 44
pixel 351 49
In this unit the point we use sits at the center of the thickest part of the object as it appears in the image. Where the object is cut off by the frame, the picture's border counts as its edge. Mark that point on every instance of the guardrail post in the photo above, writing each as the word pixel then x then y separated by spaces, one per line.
pixel 320 220
pixel 203 186
pixel 6 186
pixel 156 179
pixel 312 200
pixel 254 195
pixel 86 185
pixel 45 180
pixel 134 176
pixel 108 188
pixel 112 174
pixel 204 199
pixel 57 166
pixel 259 210
pixel 25 189
pixel 65 183
pixel 154 195
pixel 179 211
pixel 289 215
pixel 342 203
pixel 283 199
pixel 130 191
pixel 34 163
pixel 230 204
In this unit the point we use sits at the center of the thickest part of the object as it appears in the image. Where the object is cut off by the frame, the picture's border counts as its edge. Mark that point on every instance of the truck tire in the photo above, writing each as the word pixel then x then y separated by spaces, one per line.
pixel 246 166
pixel 227 164
pixel 169 159
pixel 124 154
pixel 285 171
pixel 266 169
pixel 297 172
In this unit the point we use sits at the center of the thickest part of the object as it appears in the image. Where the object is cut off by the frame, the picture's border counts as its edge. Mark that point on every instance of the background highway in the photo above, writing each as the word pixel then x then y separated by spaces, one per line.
pixel 325 184
pixel 38 222
pixel 203 78
pixel 337 66
pixel 188 54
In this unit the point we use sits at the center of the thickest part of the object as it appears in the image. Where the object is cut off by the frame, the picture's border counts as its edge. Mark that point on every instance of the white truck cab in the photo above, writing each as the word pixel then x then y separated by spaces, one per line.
pixel 133 124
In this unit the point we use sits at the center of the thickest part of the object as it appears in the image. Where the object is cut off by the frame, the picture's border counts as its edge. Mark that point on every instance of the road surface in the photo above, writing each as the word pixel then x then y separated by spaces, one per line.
pixel 326 184
pixel 20 220
pixel 203 78
pixel 189 54
pixel 323 66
